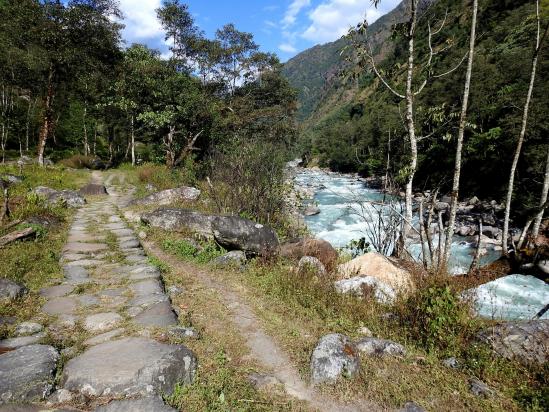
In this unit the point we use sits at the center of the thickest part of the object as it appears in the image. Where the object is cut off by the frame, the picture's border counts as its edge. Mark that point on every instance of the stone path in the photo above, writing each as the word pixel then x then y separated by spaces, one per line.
pixel 111 304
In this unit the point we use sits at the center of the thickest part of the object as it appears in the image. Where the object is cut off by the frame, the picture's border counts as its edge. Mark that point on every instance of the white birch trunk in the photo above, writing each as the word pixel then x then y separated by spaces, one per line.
pixel 544 193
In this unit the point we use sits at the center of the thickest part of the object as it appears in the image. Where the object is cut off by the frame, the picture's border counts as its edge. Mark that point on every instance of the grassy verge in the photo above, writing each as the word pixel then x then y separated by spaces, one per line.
pixel 298 309
pixel 35 262
pixel 222 382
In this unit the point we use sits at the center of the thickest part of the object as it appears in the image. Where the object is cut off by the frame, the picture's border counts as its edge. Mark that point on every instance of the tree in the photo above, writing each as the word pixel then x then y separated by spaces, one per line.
pixel 362 55
pixel 237 48
pixel 180 29
pixel 540 36
pixel 459 145
pixel 543 200
pixel 73 38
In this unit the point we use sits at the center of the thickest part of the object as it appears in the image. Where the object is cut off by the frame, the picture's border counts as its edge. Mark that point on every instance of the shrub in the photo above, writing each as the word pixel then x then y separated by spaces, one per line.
pixel 162 177
pixel 437 317
pixel 196 252
pixel 78 161
pixel 247 179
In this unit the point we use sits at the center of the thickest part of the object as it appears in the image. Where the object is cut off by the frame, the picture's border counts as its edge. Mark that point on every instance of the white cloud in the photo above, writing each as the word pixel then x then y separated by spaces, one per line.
pixel 331 20
pixel 140 20
pixel 293 10
pixel 287 48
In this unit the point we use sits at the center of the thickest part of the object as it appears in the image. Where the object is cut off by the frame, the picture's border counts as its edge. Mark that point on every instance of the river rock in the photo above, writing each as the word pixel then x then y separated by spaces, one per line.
pixel 234 232
pixel 114 369
pixel 180 220
pixel 27 374
pixel 525 341
pixel 311 264
pixel 166 197
pixel 149 404
pixel 318 248
pixel 334 356
pixel 311 210
pixel 380 347
pixel 380 267
pixel 10 290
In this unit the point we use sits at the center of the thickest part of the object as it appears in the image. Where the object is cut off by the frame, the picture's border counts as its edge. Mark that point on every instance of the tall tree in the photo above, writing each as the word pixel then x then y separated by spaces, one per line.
pixel 540 36
pixel 459 145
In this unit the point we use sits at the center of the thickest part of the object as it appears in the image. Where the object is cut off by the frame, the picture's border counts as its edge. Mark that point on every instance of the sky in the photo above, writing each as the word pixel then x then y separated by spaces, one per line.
pixel 284 27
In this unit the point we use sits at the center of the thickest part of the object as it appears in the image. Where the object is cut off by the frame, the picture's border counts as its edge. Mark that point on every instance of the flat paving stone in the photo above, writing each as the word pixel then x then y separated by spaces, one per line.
pixel 122 232
pixel 27 374
pixel 56 291
pixel 75 272
pixel 87 300
pixel 28 328
pixel 144 276
pixel 129 367
pixel 100 322
pixel 150 404
pixel 58 306
pixel 112 292
pixel 160 315
pixel 137 259
pixel 128 244
pixel 104 337
pixel 86 263
pixel 146 287
pixel 149 300
pixel 84 247
pixel 14 343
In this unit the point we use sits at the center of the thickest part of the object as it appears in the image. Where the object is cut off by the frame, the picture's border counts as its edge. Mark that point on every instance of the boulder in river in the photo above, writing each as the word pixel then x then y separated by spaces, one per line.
pixel 234 232
pixel 380 267
pixel 180 220
pixel 334 356
pixel 166 197
pixel 311 210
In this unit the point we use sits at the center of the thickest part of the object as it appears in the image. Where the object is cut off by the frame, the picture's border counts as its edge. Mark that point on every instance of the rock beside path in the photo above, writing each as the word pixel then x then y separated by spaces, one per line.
pixel 70 198
pixel 166 197
pixel 334 356
pixel 27 374
pixel 180 220
pixel 10 290
pixel 93 189
pixel 380 347
pixel 525 341
pixel 234 232
pixel 318 248
pixel 358 285
pixel 129 367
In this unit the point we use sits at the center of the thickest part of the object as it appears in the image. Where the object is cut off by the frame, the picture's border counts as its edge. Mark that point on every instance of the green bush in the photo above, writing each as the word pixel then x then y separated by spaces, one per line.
pixel 199 253
pixel 437 317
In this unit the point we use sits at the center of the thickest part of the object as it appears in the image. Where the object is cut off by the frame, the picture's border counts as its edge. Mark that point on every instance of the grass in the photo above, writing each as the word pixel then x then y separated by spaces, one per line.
pixel 298 309
pixel 221 383
pixel 35 262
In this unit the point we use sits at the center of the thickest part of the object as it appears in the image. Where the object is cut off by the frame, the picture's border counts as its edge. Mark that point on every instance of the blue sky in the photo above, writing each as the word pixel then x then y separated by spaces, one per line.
pixel 284 27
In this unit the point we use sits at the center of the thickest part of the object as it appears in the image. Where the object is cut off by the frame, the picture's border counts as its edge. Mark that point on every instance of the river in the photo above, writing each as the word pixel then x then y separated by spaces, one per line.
pixel 345 209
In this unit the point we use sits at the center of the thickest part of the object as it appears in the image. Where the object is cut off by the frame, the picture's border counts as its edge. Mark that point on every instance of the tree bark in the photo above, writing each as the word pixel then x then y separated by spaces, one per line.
pixel 459 146
pixel 133 140
pixel 168 141
pixel 539 39
pixel 410 125
pixel 543 200
pixel 47 123
pixel 19 234
pixel 6 203
pixel 86 144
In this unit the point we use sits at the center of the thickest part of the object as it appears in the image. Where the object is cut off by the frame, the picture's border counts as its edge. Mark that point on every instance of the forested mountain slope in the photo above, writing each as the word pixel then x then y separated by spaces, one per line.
pixel 347 125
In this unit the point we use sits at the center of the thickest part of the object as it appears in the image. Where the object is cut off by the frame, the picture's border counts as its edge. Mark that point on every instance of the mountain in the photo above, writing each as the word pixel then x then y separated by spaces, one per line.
pixel 314 72
pixel 356 126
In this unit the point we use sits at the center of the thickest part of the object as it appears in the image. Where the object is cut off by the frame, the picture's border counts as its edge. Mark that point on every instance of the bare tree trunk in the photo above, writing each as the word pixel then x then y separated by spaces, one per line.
pixel 86 145
pixel 544 193
pixel 94 138
pixel 461 133
pixel 133 141
pixel 388 165
pixel 5 213
pixel 168 142
pixel 505 237
pixel 410 125
pixel 47 123
pixel 3 142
